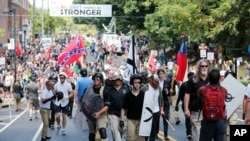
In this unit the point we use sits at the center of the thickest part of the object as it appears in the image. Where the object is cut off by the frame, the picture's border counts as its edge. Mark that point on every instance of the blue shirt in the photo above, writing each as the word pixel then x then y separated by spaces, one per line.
pixel 81 84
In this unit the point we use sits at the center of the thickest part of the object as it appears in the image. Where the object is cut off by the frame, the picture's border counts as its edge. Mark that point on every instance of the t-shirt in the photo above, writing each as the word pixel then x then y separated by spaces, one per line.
pixel 32 89
pixel 8 79
pixel 65 88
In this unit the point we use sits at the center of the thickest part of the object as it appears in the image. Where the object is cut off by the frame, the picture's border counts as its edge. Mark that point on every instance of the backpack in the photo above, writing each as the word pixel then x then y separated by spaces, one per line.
pixel 213 102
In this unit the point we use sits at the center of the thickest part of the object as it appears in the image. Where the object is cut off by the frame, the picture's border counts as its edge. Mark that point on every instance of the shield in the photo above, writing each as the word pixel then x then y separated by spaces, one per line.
pixel 91 103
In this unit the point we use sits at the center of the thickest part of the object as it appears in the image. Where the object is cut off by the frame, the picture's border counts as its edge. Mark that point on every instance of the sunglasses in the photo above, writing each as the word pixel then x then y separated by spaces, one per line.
pixel 204 66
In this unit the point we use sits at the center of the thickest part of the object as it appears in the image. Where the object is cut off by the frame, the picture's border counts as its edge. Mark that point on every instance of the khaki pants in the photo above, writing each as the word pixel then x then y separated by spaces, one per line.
pixel 45 118
pixel 173 100
pixel 196 118
pixel 18 104
pixel 101 122
pixel 115 128
pixel 133 131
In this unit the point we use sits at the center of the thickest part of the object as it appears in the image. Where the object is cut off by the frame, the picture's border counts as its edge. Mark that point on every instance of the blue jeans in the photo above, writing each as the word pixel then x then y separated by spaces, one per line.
pixel 212 130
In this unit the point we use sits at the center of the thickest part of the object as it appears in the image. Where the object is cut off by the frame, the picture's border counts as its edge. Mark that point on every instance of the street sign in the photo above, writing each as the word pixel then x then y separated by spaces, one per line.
pixel 11 44
pixel 210 55
pixel 203 53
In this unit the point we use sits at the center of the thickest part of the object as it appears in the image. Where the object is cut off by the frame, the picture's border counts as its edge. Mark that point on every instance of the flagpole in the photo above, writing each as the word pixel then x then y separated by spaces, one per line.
pixel 133 50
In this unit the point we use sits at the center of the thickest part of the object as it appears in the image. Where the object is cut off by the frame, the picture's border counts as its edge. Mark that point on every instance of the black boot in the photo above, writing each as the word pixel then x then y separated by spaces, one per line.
pixel 91 137
pixel 42 139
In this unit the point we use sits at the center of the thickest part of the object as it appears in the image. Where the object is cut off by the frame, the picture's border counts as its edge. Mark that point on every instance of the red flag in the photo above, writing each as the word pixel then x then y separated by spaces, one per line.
pixel 151 64
pixel 18 50
pixel 48 53
pixel 68 72
pixel 78 63
pixel 181 61
pixel 72 52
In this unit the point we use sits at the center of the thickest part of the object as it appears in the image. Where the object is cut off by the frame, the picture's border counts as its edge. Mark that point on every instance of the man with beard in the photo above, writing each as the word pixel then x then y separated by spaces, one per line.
pixel 192 103
pixel 158 105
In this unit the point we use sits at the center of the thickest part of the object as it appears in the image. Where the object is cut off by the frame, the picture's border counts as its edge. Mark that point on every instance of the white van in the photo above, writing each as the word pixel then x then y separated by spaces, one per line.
pixel 46 42
pixel 113 40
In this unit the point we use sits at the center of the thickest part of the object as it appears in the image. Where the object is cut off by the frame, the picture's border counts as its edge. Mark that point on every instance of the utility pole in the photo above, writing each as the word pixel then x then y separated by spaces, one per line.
pixel 33 21
pixel 42 19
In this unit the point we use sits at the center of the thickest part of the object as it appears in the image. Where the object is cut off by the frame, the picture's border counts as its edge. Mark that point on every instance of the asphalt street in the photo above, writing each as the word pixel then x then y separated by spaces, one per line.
pixel 15 126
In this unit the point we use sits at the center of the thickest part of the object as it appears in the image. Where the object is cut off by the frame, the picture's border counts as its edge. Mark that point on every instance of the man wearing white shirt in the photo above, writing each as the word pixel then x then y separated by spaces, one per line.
pixel 61 105
pixel 46 97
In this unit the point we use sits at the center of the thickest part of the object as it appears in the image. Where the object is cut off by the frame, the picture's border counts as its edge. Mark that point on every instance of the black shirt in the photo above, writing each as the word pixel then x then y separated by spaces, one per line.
pixel 133 105
pixel 193 86
pixel 116 98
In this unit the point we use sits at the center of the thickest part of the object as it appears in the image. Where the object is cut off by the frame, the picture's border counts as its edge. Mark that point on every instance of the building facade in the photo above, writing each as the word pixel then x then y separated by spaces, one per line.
pixel 7 21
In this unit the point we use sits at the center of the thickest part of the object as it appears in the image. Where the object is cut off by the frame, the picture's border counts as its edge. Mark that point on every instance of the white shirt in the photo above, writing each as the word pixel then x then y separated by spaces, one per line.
pixel 155 92
pixel 65 88
pixel 45 94
pixel 248 91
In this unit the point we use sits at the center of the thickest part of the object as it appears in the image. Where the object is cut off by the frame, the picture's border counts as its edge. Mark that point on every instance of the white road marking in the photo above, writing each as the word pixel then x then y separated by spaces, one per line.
pixel 37 133
pixel 7 125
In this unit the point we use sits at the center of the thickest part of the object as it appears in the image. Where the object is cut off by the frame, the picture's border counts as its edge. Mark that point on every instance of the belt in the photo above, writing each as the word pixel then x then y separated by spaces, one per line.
pixel 45 108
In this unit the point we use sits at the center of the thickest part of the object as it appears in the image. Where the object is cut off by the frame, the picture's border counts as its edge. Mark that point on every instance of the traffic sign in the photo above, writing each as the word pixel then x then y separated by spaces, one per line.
pixel 203 53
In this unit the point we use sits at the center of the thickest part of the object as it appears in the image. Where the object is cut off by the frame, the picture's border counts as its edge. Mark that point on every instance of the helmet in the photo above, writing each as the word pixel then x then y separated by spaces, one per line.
pixel 84 72
pixel 99 75
pixel 135 76
pixel 59 95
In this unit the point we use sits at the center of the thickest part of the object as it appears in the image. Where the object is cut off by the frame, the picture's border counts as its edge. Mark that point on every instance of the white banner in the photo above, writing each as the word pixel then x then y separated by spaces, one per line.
pixel 236 90
pixel 80 10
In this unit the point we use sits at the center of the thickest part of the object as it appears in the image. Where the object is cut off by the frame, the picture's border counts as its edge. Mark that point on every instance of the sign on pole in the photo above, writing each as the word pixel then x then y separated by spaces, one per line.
pixel 210 56
pixel 80 10
pixel 11 45
pixel 203 53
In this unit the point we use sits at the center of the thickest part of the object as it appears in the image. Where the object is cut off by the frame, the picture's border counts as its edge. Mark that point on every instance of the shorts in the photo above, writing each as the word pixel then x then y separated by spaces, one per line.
pixel 59 109
pixel 34 103
pixel 6 88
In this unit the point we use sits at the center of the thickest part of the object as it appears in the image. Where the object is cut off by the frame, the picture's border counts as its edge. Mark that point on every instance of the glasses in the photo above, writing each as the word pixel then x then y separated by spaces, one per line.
pixel 62 77
pixel 204 66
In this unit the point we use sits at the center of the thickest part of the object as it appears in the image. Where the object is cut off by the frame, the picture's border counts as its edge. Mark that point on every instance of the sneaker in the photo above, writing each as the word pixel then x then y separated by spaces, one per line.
pixel 189 137
pixel 63 132
pixel 52 127
pixel 58 129
pixel 166 139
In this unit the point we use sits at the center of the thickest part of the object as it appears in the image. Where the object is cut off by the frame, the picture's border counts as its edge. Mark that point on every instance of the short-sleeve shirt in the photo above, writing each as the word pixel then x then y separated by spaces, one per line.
pixel 32 89
pixel 65 88
pixel 45 94
pixel 193 86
